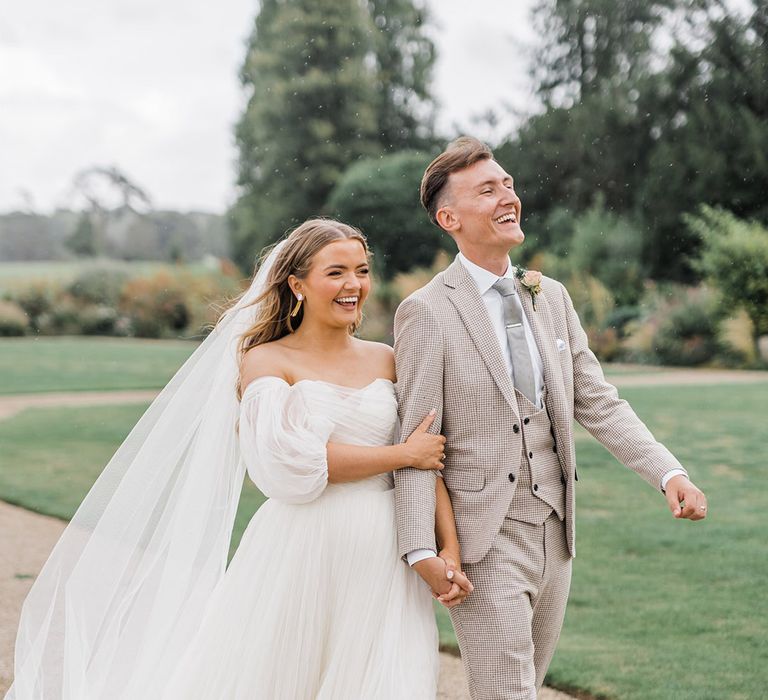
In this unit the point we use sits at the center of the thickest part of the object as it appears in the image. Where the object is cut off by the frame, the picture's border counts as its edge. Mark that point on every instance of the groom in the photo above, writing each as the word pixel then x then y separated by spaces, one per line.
pixel 502 358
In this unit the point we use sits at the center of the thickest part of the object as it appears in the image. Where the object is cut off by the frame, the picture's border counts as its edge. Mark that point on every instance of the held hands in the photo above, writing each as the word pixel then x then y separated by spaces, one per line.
pixel 424 450
pixel 448 583
pixel 684 499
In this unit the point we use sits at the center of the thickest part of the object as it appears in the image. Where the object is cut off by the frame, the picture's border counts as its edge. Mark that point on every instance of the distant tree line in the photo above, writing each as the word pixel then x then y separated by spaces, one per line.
pixel 121 233
pixel 648 110
pixel 646 113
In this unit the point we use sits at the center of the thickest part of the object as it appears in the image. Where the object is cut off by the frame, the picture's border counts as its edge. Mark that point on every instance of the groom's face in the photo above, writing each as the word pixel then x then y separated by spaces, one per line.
pixel 481 208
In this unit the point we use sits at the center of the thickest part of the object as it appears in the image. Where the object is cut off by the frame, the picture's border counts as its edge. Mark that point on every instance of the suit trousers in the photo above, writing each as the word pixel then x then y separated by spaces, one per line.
pixel 509 626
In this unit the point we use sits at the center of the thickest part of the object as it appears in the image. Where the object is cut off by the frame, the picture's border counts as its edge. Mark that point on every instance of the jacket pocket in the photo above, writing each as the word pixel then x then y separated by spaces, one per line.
pixel 464 479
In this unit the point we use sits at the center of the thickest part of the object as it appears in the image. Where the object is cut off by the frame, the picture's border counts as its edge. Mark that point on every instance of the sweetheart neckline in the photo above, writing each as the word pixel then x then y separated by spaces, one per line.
pixel 319 381
pixel 343 386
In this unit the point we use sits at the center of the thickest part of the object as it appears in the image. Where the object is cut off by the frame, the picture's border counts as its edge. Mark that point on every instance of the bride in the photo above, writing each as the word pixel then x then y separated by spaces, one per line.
pixel 136 600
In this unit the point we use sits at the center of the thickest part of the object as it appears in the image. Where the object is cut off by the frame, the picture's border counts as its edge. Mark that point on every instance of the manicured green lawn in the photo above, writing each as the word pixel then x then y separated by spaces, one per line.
pixel 14 274
pixel 33 365
pixel 659 608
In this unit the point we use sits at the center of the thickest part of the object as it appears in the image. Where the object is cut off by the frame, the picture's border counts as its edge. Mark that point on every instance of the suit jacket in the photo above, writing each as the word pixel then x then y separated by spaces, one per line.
pixel 448 358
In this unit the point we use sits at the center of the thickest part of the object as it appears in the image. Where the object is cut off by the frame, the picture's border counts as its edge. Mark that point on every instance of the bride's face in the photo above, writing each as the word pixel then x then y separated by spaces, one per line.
pixel 337 284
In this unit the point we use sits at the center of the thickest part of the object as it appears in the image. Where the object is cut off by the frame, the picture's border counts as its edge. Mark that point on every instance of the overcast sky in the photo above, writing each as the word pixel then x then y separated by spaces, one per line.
pixel 152 88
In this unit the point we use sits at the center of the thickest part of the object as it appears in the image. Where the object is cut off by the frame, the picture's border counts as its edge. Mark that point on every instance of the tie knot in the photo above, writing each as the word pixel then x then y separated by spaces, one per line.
pixel 505 286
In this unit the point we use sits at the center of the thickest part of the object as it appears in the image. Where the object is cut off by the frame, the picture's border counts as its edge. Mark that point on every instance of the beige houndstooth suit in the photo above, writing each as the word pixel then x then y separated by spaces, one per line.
pixel 448 358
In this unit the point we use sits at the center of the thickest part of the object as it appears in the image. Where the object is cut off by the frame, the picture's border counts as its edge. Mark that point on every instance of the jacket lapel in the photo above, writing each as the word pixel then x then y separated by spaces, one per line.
pixel 465 297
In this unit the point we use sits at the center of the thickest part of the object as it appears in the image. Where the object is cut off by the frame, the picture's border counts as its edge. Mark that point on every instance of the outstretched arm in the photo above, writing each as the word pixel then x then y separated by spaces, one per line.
pixel 612 421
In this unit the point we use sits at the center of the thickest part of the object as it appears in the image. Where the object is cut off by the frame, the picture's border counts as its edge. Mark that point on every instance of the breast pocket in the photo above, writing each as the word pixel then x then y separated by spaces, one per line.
pixel 464 479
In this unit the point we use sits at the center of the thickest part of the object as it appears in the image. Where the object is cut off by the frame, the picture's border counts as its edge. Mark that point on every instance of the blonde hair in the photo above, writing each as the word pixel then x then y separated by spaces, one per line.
pixel 277 300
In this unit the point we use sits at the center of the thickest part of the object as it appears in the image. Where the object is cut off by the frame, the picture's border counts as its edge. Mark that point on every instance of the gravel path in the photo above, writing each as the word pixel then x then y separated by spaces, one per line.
pixel 26 542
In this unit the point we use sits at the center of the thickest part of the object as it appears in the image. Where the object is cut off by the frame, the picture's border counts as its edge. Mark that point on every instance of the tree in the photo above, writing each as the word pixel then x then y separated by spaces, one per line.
pixel 381 197
pixel 104 189
pixel 734 257
pixel 309 114
pixel 710 127
pixel 593 46
pixel 328 82
pixel 404 56
pixel 85 241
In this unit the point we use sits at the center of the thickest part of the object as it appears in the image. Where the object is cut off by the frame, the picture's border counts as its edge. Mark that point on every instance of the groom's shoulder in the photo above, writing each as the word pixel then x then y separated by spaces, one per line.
pixel 551 286
pixel 431 294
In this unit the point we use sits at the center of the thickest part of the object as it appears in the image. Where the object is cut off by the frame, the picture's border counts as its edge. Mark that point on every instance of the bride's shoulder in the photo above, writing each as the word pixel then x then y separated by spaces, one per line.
pixel 265 360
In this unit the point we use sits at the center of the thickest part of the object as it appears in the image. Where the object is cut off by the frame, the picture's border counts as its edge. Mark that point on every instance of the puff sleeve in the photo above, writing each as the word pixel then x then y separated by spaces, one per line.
pixel 282 444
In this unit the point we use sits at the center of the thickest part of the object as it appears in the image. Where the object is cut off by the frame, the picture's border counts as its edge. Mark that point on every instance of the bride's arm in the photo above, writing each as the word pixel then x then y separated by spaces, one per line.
pixel 445 525
pixel 354 462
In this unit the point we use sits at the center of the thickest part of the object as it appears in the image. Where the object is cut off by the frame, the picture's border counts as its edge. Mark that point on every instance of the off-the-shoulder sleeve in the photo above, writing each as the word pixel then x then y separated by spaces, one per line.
pixel 283 445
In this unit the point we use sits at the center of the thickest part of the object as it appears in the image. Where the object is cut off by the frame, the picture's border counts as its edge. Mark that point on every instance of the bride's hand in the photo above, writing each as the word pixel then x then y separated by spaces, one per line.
pixel 424 450
pixel 461 586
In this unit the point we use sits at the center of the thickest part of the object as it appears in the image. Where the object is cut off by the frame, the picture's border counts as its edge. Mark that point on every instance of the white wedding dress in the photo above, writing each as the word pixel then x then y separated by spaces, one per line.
pixel 316 602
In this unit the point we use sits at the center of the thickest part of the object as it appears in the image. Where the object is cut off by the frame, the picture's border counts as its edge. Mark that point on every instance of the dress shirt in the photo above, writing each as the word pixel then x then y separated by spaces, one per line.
pixel 484 281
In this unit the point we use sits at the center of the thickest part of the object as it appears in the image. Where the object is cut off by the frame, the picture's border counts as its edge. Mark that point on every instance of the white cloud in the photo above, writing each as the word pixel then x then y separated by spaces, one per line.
pixel 152 87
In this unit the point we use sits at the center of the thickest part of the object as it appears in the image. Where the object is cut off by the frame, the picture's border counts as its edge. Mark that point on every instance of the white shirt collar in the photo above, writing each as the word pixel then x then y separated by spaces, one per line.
pixel 484 279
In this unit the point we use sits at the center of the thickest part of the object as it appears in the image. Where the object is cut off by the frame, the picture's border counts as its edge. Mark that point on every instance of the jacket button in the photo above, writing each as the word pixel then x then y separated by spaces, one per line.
pixel 512 477
pixel 515 428
pixel 535 487
pixel 530 455
pixel 526 421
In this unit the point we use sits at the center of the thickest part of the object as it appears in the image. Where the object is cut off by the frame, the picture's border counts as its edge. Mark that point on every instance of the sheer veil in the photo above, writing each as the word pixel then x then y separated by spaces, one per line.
pixel 124 588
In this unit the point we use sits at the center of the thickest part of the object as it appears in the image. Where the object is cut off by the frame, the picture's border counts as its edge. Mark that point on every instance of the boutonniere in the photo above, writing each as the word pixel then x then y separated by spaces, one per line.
pixel 531 280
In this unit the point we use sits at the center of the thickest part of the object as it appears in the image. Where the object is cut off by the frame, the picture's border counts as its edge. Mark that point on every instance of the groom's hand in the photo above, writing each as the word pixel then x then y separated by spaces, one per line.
pixel 684 499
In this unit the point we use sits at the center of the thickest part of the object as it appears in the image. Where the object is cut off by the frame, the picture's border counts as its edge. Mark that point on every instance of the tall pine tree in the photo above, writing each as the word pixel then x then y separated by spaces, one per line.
pixel 328 82
pixel 592 46
pixel 309 115
pixel 404 56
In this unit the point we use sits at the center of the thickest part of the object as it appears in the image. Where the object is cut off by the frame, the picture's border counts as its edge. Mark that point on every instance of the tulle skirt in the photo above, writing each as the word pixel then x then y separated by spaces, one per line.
pixel 316 603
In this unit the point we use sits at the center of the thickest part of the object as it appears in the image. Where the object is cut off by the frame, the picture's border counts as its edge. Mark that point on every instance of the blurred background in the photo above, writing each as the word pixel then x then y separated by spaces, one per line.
pixel 149 151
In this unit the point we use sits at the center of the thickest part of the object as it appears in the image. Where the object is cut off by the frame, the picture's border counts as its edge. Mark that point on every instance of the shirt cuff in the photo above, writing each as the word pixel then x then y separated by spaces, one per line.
pixel 672 472
pixel 418 555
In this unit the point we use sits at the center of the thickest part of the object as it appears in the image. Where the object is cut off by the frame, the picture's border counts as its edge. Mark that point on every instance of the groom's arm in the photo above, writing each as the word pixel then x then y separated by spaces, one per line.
pixel 419 366
pixel 612 421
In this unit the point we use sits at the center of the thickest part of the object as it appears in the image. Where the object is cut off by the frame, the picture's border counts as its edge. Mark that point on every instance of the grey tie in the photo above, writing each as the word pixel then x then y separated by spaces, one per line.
pixel 522 369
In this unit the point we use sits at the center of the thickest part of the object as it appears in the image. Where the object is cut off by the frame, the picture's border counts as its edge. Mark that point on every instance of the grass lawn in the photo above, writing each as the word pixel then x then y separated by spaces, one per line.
pixel 33 365
pixel 659 608
pixel 14 274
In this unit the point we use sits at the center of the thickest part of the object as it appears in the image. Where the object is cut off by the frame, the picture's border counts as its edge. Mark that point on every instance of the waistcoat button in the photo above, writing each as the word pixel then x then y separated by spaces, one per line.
pixel 512 477
pixel 515 428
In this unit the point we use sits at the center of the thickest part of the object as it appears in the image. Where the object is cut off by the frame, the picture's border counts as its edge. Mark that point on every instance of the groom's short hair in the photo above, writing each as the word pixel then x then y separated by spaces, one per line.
pixel 460 154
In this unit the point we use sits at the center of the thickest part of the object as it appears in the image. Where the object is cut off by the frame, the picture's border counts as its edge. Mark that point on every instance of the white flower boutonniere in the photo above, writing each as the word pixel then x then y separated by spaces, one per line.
pixel 531 280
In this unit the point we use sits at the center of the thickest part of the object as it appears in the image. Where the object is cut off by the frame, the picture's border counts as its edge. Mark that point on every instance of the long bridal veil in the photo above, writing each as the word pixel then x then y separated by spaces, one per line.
pixel 125 586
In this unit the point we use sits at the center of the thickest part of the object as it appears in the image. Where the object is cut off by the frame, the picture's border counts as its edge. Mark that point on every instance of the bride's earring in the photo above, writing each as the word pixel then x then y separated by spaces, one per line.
pixel 299 299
